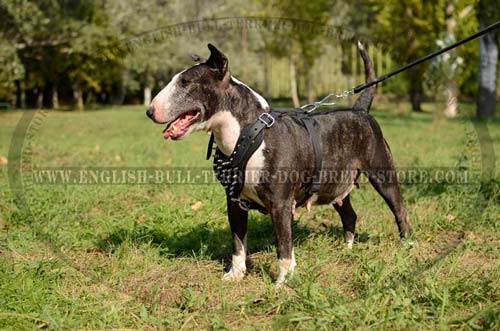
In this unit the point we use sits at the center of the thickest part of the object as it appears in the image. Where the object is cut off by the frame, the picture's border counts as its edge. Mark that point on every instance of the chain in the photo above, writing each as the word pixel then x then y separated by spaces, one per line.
pixel 323 102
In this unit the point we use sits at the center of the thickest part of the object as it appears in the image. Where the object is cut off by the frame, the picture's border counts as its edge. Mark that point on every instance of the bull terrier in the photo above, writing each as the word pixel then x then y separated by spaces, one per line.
pixel 207 97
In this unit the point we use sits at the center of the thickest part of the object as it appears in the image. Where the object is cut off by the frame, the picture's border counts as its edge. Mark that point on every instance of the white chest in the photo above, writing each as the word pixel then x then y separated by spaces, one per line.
pixel 226 130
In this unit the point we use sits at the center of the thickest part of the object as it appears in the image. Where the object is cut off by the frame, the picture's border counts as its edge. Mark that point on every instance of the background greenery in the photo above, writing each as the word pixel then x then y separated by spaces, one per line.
pixel 60 53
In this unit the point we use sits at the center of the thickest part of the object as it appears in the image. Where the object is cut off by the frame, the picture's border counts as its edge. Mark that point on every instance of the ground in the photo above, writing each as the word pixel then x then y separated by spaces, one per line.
pixel 151 257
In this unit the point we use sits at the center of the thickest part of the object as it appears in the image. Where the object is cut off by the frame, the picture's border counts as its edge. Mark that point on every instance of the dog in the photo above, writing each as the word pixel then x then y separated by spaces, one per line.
pixel 207 97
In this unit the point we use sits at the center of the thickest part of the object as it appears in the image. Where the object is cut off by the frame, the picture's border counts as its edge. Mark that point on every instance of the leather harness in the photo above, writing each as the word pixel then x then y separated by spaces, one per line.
pixel 230 169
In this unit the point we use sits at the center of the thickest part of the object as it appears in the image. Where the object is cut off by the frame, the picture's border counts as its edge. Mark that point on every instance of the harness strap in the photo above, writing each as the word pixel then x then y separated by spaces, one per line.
pixel 230 169
pixel 306 119
pixel 250 137
pixel 318 159
pixel 210 146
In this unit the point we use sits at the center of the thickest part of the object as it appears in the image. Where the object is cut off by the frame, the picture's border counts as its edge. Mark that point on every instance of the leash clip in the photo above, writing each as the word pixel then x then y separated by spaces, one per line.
pixel 267 119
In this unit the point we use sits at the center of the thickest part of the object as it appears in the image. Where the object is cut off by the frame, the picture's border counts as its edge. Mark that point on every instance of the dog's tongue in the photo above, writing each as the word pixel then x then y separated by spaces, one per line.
pixel 178 127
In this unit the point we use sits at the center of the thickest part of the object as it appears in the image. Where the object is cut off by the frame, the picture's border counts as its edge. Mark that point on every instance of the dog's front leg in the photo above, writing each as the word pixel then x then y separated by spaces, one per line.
pixel 282 216
pixel 238 220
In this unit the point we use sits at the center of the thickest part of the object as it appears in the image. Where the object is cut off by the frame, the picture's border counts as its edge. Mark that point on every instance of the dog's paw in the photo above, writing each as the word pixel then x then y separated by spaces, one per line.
pixel 233 275
pixel 407 243
pixel 349 239
pixel 286 269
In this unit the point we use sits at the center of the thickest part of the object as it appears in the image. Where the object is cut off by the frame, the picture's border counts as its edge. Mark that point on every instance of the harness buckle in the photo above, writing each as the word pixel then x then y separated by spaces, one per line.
pixel 243 205
pixel 267 119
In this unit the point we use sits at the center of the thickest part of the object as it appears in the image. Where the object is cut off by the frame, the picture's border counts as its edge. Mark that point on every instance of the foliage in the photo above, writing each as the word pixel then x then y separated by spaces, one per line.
pixel 66 45
pixel 11 68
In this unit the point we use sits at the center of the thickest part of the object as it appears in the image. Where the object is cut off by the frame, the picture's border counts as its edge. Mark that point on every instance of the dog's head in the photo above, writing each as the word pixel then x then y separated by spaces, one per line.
pixel 192 96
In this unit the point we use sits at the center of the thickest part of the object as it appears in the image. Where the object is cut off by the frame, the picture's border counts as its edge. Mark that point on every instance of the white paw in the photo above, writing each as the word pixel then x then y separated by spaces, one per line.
pixel 349 239
pixel 408 243
pixel 286 268
pixel 234 274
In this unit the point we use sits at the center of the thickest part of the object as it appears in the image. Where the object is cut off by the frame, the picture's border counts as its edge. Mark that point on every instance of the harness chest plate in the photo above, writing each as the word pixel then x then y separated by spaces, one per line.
pixel 230 169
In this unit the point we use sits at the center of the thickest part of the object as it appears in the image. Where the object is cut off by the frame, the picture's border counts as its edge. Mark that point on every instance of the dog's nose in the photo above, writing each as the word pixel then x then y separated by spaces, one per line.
pixel 150 112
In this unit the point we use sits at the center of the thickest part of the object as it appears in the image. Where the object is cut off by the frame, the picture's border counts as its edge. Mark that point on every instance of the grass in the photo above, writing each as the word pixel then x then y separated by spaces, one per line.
pixel 151 257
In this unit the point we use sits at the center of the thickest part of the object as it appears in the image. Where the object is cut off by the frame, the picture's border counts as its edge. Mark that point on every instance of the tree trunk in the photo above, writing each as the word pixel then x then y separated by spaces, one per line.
pixel 451 89
pixel 18 94
pixel 90 98
pixel 487 90
pixel 119 98
pixel 78 95
pixel 293 83
pixel 55 98
pixel 39 98
pixel 23 99
pixel 267 75
pixel 147 96
pixel 23 90
pixel 451 109
pixel 310 92
pixel 244 49
pixel 416 100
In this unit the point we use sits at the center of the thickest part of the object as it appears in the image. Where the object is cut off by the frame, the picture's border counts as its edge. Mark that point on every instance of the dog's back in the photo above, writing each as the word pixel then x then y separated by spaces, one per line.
pixel 351 142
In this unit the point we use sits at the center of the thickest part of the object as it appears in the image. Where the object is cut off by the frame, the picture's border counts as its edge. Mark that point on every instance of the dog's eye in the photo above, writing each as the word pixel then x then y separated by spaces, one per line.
pixel 184 81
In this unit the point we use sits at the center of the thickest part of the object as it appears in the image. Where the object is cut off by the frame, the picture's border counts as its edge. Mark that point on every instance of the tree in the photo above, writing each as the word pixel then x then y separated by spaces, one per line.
pixel 443 76
pixel 11 71
pixel 301 42
pixel 488 58
pixel 409 29
pixel 58 41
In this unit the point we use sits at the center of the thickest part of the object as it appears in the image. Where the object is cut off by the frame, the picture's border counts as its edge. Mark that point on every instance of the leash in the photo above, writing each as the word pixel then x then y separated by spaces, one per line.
pixel 354 90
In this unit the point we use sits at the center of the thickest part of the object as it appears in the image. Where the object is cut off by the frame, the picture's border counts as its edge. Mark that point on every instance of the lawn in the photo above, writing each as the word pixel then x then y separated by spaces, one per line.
pixel 151 256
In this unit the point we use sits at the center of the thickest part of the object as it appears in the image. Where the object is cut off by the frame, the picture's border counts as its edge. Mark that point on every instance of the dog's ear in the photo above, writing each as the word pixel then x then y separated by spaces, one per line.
pixel 196 58
pixel 217 61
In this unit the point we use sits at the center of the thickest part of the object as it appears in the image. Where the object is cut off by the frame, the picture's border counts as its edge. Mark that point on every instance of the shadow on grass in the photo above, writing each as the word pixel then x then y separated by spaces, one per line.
pixel 211 242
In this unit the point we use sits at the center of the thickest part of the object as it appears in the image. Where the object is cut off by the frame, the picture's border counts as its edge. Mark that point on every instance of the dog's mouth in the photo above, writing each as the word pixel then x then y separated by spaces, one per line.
pixel 179 127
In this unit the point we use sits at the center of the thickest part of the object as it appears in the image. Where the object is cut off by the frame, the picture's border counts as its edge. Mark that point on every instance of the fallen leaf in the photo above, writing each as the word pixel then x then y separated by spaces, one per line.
pixel 3 160
pixel 450 217
pixel 141 219
pixel 42 325
pixel 197 205
pixel 95 250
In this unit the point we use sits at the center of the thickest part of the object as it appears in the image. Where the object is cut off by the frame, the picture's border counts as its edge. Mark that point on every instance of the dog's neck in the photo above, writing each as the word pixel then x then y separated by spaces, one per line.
pixel 241 107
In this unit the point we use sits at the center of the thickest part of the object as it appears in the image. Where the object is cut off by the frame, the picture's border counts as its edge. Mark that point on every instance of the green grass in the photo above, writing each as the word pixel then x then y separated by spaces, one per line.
pixel 140 257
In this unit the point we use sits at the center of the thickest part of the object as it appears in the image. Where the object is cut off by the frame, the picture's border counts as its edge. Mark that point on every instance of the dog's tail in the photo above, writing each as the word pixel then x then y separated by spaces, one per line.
pixel 364 101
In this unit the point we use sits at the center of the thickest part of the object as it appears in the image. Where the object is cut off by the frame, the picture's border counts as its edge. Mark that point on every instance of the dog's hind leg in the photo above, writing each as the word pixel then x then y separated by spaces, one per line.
pixel 348 217
pixel 387 186
pixel 282 217
pixel 238 221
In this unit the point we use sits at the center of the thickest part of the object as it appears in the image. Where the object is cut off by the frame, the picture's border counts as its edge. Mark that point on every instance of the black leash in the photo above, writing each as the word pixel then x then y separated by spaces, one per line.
pixel 478 34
